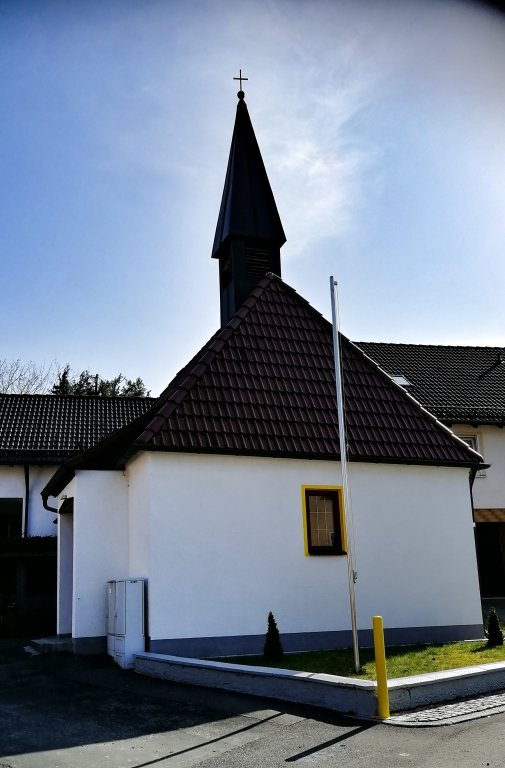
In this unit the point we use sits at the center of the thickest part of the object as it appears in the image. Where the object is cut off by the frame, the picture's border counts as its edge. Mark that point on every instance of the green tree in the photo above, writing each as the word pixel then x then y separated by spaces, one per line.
pixel 86 383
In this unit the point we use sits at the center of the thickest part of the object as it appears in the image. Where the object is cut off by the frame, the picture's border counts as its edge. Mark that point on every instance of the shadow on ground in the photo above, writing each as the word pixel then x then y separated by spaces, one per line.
pixel 60 701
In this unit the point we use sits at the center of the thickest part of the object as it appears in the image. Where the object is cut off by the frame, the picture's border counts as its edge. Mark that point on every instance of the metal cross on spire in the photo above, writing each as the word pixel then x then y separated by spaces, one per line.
pixel 241 78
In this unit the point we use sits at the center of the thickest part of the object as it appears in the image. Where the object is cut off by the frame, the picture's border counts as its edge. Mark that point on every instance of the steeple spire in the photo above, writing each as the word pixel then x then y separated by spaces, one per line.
pixel 249 232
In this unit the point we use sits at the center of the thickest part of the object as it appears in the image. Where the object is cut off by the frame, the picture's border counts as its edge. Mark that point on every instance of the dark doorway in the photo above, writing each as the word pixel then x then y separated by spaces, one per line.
pixel 490 542
pixel 11 518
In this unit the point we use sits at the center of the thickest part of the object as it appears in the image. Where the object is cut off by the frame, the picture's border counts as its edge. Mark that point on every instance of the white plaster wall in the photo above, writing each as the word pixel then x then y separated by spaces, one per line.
pixel 488 491
pixel 12 485
pixel 65 577
pixel 100 546
pixel 226 547
pixel 415 549
pixel 139 499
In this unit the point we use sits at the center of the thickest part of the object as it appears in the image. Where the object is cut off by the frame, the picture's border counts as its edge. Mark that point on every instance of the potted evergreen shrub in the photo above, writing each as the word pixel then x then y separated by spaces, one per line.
pixel 494 633
pixel 272 650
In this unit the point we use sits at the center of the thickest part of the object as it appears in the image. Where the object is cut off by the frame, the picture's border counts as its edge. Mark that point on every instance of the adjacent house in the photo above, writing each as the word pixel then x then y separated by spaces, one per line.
pixel 464 387
pixel 38 433
pixel 226 494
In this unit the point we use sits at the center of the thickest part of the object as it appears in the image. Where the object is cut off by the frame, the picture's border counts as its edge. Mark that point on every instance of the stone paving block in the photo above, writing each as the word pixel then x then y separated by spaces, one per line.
pixel 455 712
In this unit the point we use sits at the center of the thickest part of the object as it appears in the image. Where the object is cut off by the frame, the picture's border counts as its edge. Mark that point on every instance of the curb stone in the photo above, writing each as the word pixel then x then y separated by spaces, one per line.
pixel 451 714
pixel 433 698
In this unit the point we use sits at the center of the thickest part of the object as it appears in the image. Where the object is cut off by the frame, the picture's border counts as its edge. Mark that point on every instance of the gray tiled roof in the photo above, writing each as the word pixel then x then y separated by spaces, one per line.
pixel 50 428
pixel 456 383
pixel 264 385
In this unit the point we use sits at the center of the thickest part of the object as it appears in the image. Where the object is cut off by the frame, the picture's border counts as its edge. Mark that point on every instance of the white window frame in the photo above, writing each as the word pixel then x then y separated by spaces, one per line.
pixel 473 441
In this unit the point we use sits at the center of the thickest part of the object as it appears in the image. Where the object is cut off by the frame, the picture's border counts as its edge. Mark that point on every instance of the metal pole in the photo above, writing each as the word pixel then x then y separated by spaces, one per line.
pixel 351 573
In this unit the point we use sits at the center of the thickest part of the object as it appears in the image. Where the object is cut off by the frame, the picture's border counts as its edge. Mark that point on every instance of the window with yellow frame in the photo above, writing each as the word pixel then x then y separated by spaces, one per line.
pixel 323 520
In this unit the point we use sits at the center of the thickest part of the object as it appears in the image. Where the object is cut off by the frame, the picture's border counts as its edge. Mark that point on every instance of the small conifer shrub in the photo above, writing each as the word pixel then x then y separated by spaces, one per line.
pixel 494 634
pixel 272 650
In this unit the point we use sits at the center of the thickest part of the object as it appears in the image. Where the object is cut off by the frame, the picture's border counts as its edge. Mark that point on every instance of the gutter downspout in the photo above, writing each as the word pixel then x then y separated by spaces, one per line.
pixel 46 505
pixel 472 476
pixel 27 500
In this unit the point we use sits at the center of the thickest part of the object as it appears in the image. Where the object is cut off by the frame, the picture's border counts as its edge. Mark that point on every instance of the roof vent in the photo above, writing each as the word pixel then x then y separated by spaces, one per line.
pixel 402 381
pixel 500 358
pixel 257 261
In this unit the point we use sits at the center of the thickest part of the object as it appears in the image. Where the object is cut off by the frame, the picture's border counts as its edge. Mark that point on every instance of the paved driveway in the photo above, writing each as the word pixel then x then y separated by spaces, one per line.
pixel 79 712
pixel 61 710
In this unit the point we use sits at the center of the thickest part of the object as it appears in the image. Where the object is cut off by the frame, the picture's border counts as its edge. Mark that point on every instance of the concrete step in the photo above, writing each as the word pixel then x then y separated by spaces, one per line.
pixel 52 644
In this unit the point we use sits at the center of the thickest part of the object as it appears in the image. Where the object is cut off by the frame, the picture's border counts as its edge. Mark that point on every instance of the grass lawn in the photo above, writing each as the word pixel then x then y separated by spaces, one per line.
pixel 402 660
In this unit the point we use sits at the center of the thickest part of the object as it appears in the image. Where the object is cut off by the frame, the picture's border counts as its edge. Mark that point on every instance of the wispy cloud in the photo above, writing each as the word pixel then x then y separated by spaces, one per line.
pixel 321 167
pixel 380 122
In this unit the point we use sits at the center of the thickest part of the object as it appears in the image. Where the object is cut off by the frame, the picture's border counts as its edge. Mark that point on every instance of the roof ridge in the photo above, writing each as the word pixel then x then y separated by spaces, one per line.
pixel 206 355
pixel 187 377
pixel 429 346
pixel 223 334
pixel 55 397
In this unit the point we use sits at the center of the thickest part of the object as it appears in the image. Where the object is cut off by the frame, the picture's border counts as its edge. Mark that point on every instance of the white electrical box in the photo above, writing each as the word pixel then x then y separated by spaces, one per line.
pixel 125 620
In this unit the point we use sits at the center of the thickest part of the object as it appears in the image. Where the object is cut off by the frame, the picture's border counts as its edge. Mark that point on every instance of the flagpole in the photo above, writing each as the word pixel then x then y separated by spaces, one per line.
pixel 351 573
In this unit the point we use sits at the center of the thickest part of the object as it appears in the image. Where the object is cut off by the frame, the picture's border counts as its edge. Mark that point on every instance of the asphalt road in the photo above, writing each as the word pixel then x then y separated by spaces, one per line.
pixel 74 712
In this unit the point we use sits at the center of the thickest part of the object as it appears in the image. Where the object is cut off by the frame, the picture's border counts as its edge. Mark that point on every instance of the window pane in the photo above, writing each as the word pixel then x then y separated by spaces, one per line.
pixel 322 518
pixel 11 518
pixel 324 523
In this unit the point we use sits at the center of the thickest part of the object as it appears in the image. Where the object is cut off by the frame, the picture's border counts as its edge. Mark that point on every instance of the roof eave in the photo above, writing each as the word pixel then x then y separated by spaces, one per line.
pixel 309 456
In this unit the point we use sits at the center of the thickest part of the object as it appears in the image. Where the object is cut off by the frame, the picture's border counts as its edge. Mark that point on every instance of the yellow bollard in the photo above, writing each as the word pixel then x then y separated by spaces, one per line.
pixel 380 664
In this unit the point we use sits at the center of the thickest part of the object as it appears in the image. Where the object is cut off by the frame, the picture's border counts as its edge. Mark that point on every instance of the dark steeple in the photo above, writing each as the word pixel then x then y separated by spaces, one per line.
pixel 249 233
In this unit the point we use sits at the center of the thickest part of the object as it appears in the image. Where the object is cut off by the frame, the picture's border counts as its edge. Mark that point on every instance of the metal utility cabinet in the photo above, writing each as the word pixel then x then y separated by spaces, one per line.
pixel 125 620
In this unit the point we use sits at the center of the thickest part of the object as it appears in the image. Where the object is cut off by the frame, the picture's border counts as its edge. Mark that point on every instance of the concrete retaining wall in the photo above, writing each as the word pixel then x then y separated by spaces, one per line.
pixel 436 687
pixel 342 694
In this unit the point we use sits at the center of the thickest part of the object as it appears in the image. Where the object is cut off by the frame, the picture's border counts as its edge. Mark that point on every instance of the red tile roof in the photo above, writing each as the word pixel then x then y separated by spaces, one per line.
pixel 264 386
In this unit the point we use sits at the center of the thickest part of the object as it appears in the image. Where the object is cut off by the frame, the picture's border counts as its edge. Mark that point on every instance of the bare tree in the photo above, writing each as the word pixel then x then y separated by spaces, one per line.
pixel 19 378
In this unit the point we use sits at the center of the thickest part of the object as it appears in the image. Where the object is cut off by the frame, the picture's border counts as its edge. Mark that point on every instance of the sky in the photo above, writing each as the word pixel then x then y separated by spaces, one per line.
pixel 381 125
